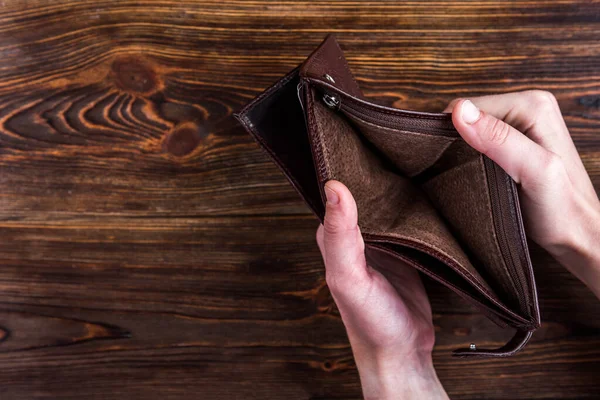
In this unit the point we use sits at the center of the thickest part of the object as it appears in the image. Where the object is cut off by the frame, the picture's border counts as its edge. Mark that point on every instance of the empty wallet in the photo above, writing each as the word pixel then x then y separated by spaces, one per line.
pixel 425 198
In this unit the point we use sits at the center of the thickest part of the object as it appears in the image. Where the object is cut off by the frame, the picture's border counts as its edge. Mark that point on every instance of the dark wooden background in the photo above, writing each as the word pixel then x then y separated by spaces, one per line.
pixel 149 249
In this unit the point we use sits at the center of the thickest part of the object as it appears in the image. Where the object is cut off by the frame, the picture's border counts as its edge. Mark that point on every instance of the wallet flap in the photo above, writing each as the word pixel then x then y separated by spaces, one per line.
pixel 387 262
pixel 276 121
pixel 328 60
pixel 514 345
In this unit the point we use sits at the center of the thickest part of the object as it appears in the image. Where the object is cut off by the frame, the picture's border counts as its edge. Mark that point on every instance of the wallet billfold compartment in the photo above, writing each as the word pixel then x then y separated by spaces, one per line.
pixel 425 198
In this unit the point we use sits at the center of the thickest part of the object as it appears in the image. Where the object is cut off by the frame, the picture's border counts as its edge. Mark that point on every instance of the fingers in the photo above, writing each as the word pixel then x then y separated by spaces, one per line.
pixel 519 156
pixel 537 115
pixel 339 239
pixel 502 106
pixel 522 110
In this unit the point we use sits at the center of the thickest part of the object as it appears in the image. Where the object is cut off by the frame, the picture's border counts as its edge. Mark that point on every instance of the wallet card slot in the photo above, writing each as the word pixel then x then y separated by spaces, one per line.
pixel 412 153
pixel 430 123
pixel 383 254
pixel 462 194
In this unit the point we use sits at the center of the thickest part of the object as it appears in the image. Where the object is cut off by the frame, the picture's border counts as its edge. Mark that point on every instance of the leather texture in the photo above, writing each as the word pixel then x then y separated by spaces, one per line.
pixel 425 198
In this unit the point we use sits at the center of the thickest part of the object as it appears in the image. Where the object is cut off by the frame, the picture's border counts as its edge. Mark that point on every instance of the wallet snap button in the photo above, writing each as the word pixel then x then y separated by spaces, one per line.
pixel 329 78
pixel 472 347
pixel 331 101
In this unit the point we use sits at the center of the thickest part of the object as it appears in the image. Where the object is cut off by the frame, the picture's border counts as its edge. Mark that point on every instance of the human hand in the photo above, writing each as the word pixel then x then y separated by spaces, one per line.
pixel 390 330
pixel 526 135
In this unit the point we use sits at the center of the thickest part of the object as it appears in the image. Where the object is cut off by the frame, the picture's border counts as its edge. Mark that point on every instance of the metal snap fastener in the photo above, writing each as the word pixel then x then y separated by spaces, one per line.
pixel 472 347
pixel 329 78
pixel 331 101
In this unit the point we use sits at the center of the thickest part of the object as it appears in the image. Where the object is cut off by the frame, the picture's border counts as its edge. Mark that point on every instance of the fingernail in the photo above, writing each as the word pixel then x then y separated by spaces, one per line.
pixel 469 113
pixel 332 196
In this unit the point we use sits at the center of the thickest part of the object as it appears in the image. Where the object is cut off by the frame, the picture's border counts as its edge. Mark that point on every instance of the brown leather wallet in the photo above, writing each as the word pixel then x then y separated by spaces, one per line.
pixel 425 198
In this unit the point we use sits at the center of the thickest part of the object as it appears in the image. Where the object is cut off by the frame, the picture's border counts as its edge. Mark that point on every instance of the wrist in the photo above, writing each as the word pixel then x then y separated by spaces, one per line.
pixel 407 376
pixel 579 251
pixel 588 256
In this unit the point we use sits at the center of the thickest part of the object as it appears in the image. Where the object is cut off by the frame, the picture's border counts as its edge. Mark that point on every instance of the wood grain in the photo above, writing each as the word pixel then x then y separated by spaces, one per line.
pixel 149 249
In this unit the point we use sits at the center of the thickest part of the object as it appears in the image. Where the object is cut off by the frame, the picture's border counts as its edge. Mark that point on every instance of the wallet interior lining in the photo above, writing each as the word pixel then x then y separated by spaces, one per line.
pixel 429 190
pixel 276 121
pixel 455 183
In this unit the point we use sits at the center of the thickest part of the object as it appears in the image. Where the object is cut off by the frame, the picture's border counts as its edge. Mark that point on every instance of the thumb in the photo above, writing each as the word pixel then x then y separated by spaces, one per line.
pixel 341 242
pixel 518 155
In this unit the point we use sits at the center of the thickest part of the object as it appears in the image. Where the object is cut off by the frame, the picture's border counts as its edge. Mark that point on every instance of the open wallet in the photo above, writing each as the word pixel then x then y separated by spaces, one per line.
pixel 425 198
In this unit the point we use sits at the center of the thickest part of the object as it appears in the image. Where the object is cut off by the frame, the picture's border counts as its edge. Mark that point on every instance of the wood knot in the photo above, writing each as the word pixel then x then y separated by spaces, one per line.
pixel 184 138
pixel 592 101
pixel 328 366
pixel 134 74
pixel 4 333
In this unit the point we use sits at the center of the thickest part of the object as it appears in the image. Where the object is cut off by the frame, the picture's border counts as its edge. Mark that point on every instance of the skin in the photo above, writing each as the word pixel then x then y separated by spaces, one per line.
pixel 391 331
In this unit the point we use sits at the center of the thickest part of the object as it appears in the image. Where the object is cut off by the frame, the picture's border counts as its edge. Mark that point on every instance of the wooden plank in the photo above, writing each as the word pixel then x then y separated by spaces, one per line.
pixel 206 297
pixel 149 126
pixel 149 249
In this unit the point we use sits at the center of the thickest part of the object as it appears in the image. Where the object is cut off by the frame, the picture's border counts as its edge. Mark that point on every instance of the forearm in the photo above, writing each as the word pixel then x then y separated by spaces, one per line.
pixel 580 253
pixel 388 376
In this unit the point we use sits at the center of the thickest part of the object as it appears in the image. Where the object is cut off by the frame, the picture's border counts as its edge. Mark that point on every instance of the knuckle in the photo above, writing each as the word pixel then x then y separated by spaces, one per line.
pixel 496 132
pixel 335 227
pixel 547 173
pixel 331 228
pixel 554 168
pixel 542 101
